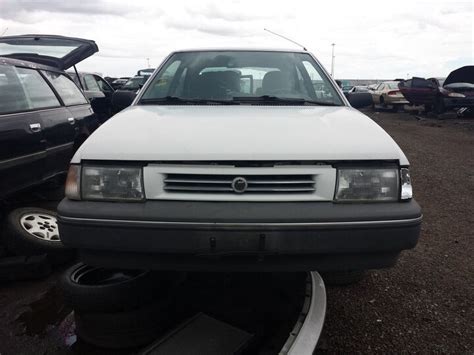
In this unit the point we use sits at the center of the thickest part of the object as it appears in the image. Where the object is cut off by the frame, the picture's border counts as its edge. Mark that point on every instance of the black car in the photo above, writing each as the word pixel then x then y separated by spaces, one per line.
pixel 124 96
pixel 44 116
pixel 118 83
pixel 97 90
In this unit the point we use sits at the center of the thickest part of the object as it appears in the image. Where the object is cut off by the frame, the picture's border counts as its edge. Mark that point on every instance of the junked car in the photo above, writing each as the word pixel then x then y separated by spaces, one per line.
pixel 206 171
pixel 421 91
pixel 44 116
pixel 387 93
pixel 118 83
pixel 441 94
pixel 97 90
pixel 458 89
pixel 124 96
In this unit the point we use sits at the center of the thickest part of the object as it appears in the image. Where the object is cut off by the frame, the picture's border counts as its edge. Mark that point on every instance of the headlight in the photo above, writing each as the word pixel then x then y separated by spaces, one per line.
pixel 367 184
pixel 456 94
pixel 112 183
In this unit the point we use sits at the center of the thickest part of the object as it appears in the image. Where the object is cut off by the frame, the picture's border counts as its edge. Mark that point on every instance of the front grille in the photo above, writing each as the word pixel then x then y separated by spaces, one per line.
pixel 254 184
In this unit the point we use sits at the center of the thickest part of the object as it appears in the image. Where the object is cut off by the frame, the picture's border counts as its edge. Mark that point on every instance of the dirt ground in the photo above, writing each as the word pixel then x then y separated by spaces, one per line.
pixel 424 304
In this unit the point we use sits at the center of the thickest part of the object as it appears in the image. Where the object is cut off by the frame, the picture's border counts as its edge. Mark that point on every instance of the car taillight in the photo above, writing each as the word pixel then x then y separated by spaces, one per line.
pixel 392 93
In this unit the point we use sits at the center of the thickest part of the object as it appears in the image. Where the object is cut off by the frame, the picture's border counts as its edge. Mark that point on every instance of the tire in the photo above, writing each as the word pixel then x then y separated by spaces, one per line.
pixel 34 231
pixel 382 101
pixel 90 289
pixel 343 278
pixel 123 329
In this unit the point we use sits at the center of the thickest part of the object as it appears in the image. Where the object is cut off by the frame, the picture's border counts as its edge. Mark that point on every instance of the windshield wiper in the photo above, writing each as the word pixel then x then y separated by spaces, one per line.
pixel 277 99
pixel 174 100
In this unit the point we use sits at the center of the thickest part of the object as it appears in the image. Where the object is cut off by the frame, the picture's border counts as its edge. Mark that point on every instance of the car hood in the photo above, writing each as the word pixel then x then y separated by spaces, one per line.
pixel 55 51
pixel 218 133
pixel 461 75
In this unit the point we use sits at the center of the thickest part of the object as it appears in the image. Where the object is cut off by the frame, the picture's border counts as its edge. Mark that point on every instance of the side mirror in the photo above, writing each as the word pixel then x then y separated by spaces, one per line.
pixel 359 99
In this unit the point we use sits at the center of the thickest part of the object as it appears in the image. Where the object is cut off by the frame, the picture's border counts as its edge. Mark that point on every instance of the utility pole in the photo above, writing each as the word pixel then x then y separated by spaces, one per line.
pixel 332 60
pixel 148 62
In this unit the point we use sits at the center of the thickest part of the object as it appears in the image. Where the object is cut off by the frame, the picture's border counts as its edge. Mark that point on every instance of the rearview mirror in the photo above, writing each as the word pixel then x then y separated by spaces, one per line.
pixel 359 99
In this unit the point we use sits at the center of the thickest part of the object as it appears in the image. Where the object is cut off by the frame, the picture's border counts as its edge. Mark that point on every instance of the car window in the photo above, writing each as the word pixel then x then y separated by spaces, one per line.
pixel 38 92
pixel 392 86
pixel 103 85
pixel 162 86
pixel 25 89
pixel 91 83
pixel 236 75
pixel 13 96
pixel 67 90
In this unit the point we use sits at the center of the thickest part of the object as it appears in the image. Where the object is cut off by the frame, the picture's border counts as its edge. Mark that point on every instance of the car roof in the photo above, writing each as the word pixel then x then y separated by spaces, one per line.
pixel 27 64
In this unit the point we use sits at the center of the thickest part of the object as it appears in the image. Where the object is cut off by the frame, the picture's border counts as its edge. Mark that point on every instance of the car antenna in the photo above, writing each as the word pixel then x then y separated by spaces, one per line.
pixel 279 35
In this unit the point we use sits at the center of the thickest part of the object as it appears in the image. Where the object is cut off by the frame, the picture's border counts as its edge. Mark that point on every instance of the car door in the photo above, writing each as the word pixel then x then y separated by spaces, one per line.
pixel 422 91
pixel 106 101
pixel 80 114
pixel 60 126
pixel 22 143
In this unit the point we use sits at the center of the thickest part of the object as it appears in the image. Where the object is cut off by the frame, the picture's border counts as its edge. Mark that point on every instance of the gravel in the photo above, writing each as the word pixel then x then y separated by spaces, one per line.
pixel 425 303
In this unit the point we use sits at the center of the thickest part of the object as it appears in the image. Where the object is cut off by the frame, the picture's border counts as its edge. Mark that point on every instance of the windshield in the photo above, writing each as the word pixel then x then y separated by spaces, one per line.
pixel 392 85
pixel 243 77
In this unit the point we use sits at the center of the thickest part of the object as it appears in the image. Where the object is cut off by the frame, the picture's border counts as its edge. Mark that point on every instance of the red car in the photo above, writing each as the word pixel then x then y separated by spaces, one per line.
pixel 456 91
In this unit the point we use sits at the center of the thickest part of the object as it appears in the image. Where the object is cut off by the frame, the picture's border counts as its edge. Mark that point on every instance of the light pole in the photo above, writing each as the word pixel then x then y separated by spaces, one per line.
pixel 148 62
pixel 332 60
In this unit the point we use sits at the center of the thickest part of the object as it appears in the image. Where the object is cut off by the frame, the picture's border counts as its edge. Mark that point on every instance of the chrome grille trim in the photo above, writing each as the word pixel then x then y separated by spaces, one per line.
pixel 265 183
pixel 214 182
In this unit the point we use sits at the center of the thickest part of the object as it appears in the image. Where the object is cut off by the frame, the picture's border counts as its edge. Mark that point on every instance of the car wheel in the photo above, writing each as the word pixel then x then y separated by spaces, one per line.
pixel 382 101
pixel 34 231
pixel 126 329
pixel 91 289
pixel 343 278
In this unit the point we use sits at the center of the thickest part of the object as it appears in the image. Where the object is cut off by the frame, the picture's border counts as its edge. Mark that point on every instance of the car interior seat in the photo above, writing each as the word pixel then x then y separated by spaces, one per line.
pixel 217 85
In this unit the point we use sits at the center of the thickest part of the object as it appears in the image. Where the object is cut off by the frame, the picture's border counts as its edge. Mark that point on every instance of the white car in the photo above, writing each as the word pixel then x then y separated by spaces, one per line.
pixel 388 93
pixel 231 160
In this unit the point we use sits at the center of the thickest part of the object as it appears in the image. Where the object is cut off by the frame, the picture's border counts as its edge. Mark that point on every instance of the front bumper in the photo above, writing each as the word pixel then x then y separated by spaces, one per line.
pixel 458 102
pixel 239 236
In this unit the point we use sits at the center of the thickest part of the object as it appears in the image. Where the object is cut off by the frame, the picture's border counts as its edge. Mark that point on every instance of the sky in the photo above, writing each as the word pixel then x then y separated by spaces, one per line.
pixel 373 39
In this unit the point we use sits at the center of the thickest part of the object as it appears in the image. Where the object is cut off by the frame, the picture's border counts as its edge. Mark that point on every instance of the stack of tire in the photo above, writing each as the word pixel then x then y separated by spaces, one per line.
pixel 31 234
pixel 117 309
